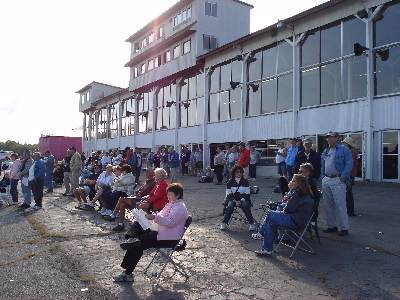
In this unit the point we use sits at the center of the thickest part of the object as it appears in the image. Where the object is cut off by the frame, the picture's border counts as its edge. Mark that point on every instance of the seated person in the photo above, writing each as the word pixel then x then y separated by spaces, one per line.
pixel 171 222
pixel 130 202
pixel 207 176
pixel 157 198
pixel 307 170
pixel 238 194
pixel 103 185
pixel 295 214
pixel 58 174
pixel 5 182
pixel 123 186
pixel 88 188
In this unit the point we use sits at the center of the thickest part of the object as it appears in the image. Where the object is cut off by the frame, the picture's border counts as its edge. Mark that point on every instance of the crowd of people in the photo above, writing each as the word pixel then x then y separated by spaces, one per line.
pixel 110 181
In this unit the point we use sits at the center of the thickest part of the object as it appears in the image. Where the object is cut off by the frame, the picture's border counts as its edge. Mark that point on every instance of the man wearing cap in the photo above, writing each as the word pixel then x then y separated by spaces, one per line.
pixel 336 166
pixel 291 158
pixel 350 143
pixel 308 155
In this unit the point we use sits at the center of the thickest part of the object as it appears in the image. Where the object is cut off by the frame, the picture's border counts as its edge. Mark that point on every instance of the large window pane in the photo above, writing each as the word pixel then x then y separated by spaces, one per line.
pixel 165 118
pixel 200 111
pixel 310 87
pixel 185 90
pixel 192 113
pixel 331 83
pixel 200 85
pixel 390 167
pixel 355 78
pixel 285 92
pixel 330 43
pixel 159 118
pixel 225 76
pixel 269 96
pixel 387 29
pixel 235 103
pixel 254 107
pixel 236 71
pixel 184 116
pixel 224 106
pixel 310 49
pixel 387 73
pixel 390 143
pixel 214 87
pixel 172 117
pixel 213 108
pixel 285 57
pixel 269 62
pixel 255 67
pixel 192 87
pixel 353 32
pixel 150 121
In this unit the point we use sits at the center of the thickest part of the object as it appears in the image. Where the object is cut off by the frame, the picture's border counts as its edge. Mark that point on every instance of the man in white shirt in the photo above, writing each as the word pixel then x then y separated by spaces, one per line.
pixel 105 160
pixel 103 183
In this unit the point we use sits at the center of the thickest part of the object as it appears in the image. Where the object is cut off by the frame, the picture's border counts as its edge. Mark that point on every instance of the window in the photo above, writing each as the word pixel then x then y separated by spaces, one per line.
pixel 135 72
pixel 390 153
pixel 86 129
pixel 102 125
pixel 145 109
pixel 327 76
pixel 136 47
pixel 387 59
pixel 157 61
pixel 143 69
pixel 177 51
pixel 152 37
pixel 114 120
pixel 144 43
pixel 211 9
pixel 183 16
pixel 168 56
pixel 160 32
pixel 166 107
pixel 271 75
pixel 150 64
pixel 186 47
pixel 128 117
pixel 93 126
pixel 209 42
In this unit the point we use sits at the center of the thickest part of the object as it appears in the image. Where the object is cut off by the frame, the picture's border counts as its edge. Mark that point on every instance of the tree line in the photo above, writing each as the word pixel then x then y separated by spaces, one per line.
pixel 17 147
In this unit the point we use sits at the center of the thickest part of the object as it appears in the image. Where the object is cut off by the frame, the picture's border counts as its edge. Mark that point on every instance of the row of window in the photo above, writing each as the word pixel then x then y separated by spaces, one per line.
pixel 85 97
pixel 183 16
pixel 147 40
pixel 167 56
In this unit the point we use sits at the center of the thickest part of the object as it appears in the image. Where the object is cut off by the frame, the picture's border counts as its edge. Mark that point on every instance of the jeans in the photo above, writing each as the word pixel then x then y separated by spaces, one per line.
pixel 14 190
pixel 75 180
pixel 218 169
pixel 67 182
pixel 349 197
pixel 269 229
pixel 37 191
pixel 48 180
pixel 244 205
pixel 334 194
pixel 252 170
pixel 290 172
pixel 174 173
pixel 148 240
pixel 282 169
pixel 26 191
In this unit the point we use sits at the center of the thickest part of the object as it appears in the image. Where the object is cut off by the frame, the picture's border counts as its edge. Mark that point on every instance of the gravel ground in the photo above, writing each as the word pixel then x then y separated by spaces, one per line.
pixel 63 253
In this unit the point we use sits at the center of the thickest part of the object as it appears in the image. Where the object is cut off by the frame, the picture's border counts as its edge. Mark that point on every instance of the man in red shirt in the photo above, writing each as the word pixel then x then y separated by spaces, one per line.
pixel 244 157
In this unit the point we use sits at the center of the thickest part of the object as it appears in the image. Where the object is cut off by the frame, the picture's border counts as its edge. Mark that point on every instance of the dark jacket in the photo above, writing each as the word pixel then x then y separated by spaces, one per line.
pixel 314 159
pixel 299 208
pixel 39 170
pixel 237 191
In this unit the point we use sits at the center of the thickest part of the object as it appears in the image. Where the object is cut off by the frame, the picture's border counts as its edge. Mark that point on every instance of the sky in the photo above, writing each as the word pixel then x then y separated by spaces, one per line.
pixel 50 49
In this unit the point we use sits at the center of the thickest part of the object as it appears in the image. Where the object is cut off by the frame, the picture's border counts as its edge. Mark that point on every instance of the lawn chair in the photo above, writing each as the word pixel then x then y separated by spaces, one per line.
pixel 238 214
pixel 296 237
pixel 166 255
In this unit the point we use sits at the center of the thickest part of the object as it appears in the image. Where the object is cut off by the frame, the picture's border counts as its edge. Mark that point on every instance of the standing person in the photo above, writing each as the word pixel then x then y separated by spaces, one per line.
pixel 133 161
pixel 76 167
pixel 26 164
pixel 49 168
pixel 157 159
pixel 291 158
pixel 244 157
pixel 14 176
pixel 150 160
pixel 83 159
pixel 36 179
pixel 280 160
pixel 219 161
pixel 232 158
pixel 254 158
pixel 173 163
pixel 185 156
pixel 308 155
pixel 164 160
pixel 67 173
pixel 336 166
pixel 350 143
pixel 192 162
pixel 105 160
pixel 138 168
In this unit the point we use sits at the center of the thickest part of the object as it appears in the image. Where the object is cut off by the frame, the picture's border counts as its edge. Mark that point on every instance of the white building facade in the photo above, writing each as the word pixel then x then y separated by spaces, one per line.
pixel 335 67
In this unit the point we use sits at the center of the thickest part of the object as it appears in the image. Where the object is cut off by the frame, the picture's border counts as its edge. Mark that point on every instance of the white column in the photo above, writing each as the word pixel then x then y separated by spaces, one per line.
pixel 108 127
pixel 136 131
pixel 120 110
pixel 156 90
pixel 243 98
pixel 96 126
pixel 177 113
pixel 206 156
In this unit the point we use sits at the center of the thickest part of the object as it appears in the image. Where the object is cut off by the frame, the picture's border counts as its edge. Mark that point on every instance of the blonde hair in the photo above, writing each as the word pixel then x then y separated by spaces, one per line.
pixel 160 173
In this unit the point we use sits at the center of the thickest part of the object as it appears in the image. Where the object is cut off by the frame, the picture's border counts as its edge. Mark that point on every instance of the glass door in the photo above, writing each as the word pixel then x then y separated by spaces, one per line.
pixel 390 156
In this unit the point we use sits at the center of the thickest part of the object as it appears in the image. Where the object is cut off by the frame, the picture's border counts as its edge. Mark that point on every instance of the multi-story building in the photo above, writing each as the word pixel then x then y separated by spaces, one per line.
pixel 333 67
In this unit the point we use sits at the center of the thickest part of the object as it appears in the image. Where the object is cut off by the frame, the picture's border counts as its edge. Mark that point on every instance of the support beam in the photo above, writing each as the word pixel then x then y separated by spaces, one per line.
pixel 206 156
pixel 156 90
pixel 178 88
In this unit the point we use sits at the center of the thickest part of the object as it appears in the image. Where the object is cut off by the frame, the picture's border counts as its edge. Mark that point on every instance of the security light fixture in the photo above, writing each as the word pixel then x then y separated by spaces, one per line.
pixel 384 54
pixel 362 14
pixel 239 57
pixel 279 24
pixel 139 97
pixel 145 114
pixel 129 113
pixel 234 84
pixel 170 103
pixel 359 49
pixel 251 59
pixel 254 87
pixel 183 83
pixel 186 104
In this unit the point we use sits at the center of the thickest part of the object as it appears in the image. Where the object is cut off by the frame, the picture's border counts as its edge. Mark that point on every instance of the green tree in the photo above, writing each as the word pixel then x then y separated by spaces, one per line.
pixel 17 147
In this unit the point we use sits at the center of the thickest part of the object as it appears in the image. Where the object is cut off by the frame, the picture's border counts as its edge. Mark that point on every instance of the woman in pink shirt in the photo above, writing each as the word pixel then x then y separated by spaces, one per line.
pixel 171 222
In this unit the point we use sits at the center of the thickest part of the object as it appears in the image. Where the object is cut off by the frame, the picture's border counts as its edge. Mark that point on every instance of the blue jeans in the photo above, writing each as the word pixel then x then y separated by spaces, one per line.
pixel 269 229
pixel 26 191
pixel 244 205
pixel 282 169
pixel 290 173
pixel 14 190
pixel 48 180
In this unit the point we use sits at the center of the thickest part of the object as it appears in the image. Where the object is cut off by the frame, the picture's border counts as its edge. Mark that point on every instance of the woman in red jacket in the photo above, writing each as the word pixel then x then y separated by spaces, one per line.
pixel 157 198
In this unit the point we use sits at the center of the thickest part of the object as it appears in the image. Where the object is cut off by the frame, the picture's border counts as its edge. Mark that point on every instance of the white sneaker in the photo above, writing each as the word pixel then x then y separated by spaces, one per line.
pixel 263 252
pixel 257 236
pixel 252 227
pixel 223 226
pixel 107 212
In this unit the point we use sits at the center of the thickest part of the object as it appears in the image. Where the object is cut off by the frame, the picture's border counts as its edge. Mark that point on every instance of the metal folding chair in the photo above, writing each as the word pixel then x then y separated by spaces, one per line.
pixel 164 256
